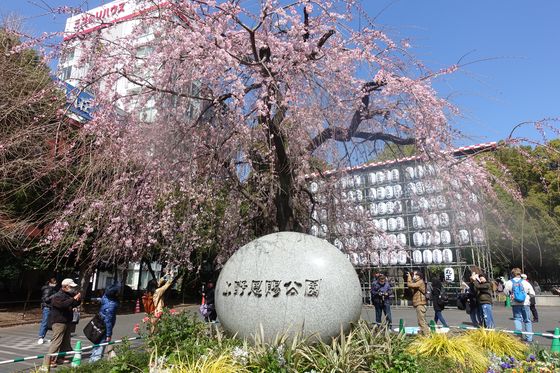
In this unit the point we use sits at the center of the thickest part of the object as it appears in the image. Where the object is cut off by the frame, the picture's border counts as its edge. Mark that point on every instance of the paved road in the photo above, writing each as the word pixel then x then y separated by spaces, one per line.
pixel 20 341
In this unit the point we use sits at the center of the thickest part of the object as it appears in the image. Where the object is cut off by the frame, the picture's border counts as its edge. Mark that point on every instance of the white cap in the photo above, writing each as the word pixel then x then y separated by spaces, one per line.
pixel 69 282
pixel 524 276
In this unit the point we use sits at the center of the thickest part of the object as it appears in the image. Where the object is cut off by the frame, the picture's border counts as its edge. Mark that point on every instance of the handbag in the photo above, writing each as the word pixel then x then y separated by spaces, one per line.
pixel 95 329
pixel 75 316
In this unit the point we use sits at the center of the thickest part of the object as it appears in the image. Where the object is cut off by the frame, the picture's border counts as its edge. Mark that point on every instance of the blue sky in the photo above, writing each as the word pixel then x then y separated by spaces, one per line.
pixel 519 41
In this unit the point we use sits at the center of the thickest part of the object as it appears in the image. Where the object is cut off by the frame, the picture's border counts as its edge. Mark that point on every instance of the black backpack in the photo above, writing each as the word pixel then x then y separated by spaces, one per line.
pixel 443 298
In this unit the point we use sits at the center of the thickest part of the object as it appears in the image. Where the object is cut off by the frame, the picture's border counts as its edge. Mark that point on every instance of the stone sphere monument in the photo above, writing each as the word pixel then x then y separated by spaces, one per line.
pixel 290 283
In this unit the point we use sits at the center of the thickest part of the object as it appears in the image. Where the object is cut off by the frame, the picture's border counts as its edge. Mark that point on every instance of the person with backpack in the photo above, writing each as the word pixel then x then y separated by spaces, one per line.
pixel 415 282
pixel 484 298
pixel 473 307
pixel 382 295
pixel 519 292
pixel 439 300
pixel 533 299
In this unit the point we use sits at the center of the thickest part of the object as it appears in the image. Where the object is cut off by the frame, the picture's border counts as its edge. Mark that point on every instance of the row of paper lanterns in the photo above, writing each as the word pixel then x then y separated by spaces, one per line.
pixel 387 176
pixel 401 257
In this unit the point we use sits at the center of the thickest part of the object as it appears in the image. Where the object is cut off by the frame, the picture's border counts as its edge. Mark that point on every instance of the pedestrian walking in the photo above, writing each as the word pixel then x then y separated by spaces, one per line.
pixel 484 299
pixel 108 312
pixel 382 296
pixel 416 283
pixel 519 292
pixel 47 291
pixel 60 318
pixel 439 300
pixel 533 298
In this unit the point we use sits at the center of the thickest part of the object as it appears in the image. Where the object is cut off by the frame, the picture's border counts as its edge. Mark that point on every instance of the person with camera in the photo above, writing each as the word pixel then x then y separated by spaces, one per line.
pixel 484 298
pixel 108 312
pixel 382 296
pixel 60 318
pixel 415 282
pixel 520 292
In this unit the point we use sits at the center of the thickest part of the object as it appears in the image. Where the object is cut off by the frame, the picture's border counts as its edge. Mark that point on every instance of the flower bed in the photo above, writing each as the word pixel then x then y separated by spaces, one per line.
pixel 179 342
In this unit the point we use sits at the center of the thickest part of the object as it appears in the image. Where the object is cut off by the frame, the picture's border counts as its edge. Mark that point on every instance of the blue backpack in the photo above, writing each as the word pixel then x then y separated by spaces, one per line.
pixel 518 290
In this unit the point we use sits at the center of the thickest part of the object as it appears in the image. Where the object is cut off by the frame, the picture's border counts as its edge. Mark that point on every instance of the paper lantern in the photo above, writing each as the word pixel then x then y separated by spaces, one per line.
pixel 380 191
pixel 351 196
pixel 388 175
pixel 401 239
pixel 419 188
pixel 384 257
pixel 409 173
pixel 391 240
pixel 464 236
pixel 417 222
pixel 388 192
pixel 380 176
pixel 359 195
pixel 314 231
pixel 371 194
pixel 427 238
pixel 478 235
pixel 338 244
pixel 437 256
pixel 383 225
pixel 395 173
pixel 397 191
pixel 371 178
pixel 445 237
pixel 314 187
pixel 393 258
pixel 373 209
pixel 417 239
pixel 417 256
pixel 398 207
pixel 436 238
pixel 447 256
pixel 410 189
pixel 374 258
pixel 381 208
pixel 428 187
pixel 427 256
pixel 390 207
pixel 419 172
pixel 357 181
pixel 392 224
pixel 400 223
pixel 401 257
pixel 433 220
pixel 375 242
pixel 444 219
pixel 441 202
pixel 323 231
pixel 432 201
pixel 355 259
pixel 423 204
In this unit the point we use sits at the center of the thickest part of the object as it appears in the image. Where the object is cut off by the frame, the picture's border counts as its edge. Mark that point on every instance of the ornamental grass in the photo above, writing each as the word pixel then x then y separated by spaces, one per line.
pixel 496 342
pixel 458 349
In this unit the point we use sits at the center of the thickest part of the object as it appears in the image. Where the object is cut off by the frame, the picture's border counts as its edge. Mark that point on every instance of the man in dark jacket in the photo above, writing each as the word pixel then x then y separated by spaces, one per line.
pixel 60 318
pixel 209 298
pixel 108 312
pixel 47 291
pixel 438 301
pixel 381 296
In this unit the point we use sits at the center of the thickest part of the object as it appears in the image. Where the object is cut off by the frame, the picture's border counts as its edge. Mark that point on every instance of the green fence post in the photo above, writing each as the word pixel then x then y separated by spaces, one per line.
pixel 77 359
pixel 401 326
pixel 508 301
pixel 432 326
pixel 555 346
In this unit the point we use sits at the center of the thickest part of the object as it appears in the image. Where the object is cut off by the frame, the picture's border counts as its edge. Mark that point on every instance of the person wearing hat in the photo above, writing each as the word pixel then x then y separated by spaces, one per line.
pixel 532 300
pixel 60 318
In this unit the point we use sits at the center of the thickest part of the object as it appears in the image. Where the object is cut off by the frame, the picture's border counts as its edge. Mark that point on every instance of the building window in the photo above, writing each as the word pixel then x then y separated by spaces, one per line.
pixel 66 73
